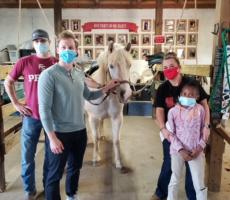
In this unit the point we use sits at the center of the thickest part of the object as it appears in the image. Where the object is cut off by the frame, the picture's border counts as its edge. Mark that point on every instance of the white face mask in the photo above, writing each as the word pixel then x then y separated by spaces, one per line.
pixel 41 48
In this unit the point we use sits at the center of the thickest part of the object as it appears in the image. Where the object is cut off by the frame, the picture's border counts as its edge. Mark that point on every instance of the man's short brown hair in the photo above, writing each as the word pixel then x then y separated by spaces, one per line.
pixel 68 35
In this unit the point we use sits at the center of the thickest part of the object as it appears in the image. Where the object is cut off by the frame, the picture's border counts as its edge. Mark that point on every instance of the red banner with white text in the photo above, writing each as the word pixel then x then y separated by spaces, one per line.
pixel 89 26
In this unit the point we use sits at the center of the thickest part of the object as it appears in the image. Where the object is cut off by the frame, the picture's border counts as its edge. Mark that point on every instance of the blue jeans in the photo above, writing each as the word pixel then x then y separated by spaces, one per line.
pixel 74 149
pixel 165 176
pixel 30 134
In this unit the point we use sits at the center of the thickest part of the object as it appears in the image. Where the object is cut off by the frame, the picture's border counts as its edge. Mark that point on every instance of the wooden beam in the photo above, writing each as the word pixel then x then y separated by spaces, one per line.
pixel 158 23
pixel 57 16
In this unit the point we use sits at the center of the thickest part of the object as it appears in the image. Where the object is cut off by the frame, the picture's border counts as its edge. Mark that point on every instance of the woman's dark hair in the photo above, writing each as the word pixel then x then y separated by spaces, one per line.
pixel 172 55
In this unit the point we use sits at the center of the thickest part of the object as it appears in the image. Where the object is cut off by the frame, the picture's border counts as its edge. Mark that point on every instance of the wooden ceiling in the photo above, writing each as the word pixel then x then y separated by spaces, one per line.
pixel 123 4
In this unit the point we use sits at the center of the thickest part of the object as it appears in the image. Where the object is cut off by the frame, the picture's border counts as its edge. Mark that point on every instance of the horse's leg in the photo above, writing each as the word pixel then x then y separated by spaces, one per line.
pixel 94 125
pixel 116 126
pixel 101 132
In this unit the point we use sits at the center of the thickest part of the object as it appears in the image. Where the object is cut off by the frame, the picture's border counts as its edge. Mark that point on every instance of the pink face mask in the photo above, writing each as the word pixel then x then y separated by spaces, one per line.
pixel 171 72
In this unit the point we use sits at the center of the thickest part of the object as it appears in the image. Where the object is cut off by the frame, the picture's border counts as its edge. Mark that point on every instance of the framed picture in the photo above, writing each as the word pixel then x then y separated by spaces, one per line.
pixel 146 25
pixel 145 39
pixel 88 40
pixel 180 51
pixel 65 24
pixel 99 39
pixel 110 37
pixel 182 25
pixel 193 25
pixel 168 49
pixel 78 37
pixel 145 51
pixel 169 39
pixel 76 25
pixel 191 53
pixel 134 38
pixel 98 51
pixel 135 53
pixel 192 39
pixel 180 39
pixel 169 25
pixel 88 52
pixel 122 39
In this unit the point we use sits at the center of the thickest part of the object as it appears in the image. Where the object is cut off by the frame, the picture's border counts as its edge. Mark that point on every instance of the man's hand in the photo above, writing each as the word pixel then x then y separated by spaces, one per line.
pixel 196 152
pixel 111 86
pixel 23 109
pixel 185 155
pixel 56 145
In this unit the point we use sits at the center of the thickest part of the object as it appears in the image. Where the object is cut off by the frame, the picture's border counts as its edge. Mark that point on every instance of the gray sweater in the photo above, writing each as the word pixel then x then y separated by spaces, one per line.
pixel 61 96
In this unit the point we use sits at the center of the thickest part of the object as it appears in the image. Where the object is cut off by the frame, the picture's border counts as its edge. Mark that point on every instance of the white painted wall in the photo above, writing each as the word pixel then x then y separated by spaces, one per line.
pixel 33 18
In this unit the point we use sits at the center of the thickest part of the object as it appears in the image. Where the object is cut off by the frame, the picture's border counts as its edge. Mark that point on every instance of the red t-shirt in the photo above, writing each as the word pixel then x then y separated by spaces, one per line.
pixel 30 68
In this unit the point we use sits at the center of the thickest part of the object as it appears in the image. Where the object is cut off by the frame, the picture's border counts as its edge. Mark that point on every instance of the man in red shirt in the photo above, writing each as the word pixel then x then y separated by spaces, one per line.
pixel 30 68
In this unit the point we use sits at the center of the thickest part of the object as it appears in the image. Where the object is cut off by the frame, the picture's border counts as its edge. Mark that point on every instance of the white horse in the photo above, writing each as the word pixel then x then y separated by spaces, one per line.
pixel 113 64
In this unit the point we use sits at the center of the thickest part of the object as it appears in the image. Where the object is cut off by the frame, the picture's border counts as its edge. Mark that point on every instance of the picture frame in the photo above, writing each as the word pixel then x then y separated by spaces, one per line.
pixel 146 39
pixel 134 39
pixel 192 39
pixel 193 25
pixel 88 52
pixel 135 53
pixel 99 39
pixel 110 37
pixel 191 53
pixel 65 24
pixel 167 49
pixel 145 51
pixel 146 25
pixel 88 39
pixel 181 39
pixel 78 37
pixel 181 25
pixel 169 25
pixel 76 25
pixel 122 39
pixel 98 51
pixel 169 39
pixel 180 51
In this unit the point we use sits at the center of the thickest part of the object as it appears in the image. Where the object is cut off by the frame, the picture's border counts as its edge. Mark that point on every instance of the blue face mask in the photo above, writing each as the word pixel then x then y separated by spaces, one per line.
pixel 186 101
pixel 68 56
pixel 41 48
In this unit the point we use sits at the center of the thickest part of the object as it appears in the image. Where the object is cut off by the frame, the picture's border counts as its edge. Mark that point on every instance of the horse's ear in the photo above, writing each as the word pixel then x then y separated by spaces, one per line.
pixel 111 46
pixel 128 47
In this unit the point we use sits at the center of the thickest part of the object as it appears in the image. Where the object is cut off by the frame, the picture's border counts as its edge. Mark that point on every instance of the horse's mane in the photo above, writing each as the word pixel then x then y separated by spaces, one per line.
pixel 115 57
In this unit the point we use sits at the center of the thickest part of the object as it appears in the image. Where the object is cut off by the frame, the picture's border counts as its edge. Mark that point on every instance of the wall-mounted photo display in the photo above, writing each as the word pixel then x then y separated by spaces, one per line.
pixel 99 39
pixel 169 25
pixel 122 39
pixel 134 38
pixel 65 24
pixel 98 51
pixel 88 39
pixel 180 51
pixel 153 29
pixel 181 39
pixel 78 37
pixel 181 25
pixel 191 53
pixel 192 39
pixel 76 25
pixel 88 52
pixel 167 49
pixel 145 39
pixel 135 53
pixel 145 51
pixel 169 39
pixel 110 37
pixel 146 25
pixel 193 25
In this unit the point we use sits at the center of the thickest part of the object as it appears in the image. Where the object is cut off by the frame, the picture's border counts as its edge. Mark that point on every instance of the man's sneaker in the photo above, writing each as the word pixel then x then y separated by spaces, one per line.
pixel 30 196
pixel 74 197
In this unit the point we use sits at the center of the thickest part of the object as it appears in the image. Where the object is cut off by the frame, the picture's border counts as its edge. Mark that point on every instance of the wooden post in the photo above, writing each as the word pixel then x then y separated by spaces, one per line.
pixel 158 23
pixel 2 153
pixel 57 16
pixel 217 144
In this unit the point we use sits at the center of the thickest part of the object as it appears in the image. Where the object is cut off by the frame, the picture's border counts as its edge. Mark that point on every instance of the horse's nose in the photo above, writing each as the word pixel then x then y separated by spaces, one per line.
pixel 122 93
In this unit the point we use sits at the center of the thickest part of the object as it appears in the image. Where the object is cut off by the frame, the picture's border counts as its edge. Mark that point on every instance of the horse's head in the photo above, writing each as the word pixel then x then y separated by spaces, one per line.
pixel 116 63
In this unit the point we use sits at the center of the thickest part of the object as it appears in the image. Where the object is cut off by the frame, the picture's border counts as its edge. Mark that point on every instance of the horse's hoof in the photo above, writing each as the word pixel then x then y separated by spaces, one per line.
pixel 125 170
